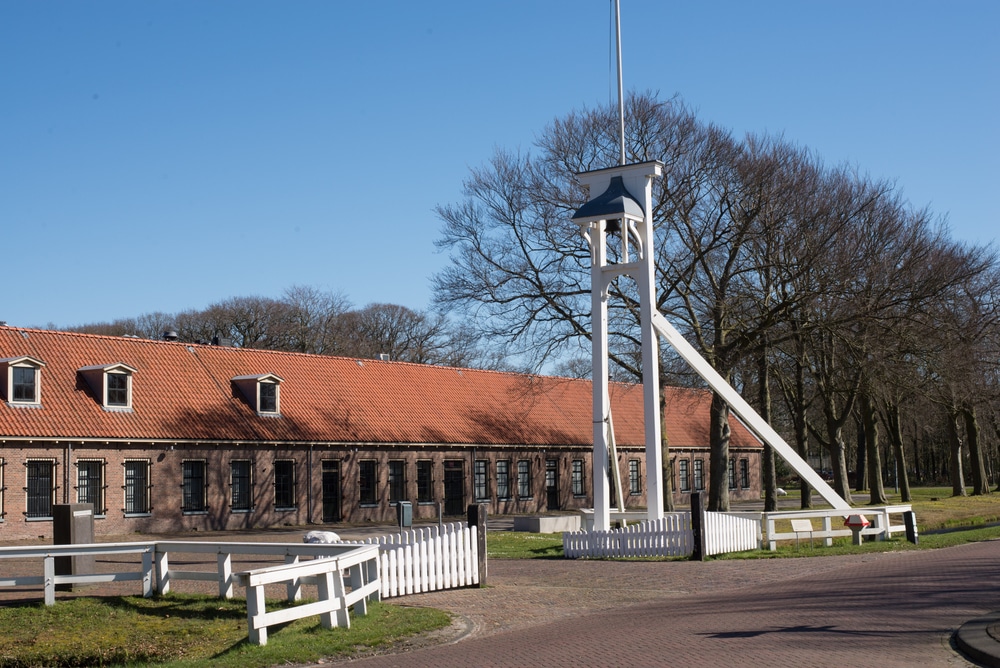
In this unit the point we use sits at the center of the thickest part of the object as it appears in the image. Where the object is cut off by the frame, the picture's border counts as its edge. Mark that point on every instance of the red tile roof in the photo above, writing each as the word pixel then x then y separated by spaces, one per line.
pixel 183 392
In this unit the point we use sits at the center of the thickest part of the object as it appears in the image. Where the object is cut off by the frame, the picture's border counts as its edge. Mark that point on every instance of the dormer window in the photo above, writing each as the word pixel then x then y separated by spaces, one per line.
pixel 268 397
pixel 22 384
pixel 111 385
pixel 261 392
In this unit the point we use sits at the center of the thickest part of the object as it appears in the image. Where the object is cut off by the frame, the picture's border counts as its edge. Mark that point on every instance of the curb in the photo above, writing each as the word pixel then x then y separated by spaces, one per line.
pixel 974 640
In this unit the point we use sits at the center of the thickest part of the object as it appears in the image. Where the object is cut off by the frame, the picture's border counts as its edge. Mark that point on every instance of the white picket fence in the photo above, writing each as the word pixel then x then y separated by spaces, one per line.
pixel 730 532
pixel 671 536
pixel 428 559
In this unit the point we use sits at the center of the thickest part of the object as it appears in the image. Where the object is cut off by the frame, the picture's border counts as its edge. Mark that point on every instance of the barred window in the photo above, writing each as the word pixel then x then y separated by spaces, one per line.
pixel 397 481
pixel 137 487
pixel 699 475
pixel 241 485
pixel 579 485
pixel 425 489
pixel 284 483
pixel 503 479
pixel 367 482
pixel 682 472
pixel 41 489
pixel 480 482
pixel 193 489
pixel 634 477
pixel 90 484
pixel 524 479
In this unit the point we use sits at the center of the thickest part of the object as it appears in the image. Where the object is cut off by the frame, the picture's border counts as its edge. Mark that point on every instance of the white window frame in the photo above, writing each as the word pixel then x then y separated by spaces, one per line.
pixel 24 362
pixel 97 378
pixel 249 387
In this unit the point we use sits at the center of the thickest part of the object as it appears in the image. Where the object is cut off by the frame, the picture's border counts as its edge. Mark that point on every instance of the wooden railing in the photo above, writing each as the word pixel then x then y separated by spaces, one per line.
pixel 880 517
pixel 360 562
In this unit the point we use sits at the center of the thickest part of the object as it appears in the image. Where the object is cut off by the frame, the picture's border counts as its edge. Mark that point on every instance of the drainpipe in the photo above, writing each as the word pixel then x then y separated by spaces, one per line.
pixel 69 458
pixel 309 495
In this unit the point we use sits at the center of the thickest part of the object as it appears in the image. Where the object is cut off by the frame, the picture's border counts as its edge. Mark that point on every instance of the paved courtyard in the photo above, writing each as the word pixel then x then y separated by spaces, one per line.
pixel 892 609
pixel 885 609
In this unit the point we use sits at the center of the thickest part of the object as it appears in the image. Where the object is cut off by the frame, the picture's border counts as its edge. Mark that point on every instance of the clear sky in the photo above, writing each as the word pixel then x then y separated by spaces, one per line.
pixel 165 155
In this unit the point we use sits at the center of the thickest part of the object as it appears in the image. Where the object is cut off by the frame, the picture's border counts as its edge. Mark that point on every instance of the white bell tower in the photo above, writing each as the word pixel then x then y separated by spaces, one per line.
pixel 623 214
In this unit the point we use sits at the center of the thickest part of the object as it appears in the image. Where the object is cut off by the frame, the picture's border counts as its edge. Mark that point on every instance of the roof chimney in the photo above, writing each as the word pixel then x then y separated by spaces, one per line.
pixel 170 335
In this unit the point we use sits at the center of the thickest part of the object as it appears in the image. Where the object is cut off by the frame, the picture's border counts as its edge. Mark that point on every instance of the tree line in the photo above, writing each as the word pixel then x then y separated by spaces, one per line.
pixel 851 319
pixel 308 320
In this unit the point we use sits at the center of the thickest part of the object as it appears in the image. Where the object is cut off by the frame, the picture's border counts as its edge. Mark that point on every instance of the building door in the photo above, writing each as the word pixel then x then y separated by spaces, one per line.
pixel 331 490
pixel 552 484
pixel 454 487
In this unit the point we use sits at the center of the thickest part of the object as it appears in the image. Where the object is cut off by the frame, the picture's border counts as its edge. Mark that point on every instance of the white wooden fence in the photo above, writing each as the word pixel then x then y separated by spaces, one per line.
pixel 428 559
pixel 327 573
pixel 831 523
pixel 671 536
pixel 730 532
pixel 421 560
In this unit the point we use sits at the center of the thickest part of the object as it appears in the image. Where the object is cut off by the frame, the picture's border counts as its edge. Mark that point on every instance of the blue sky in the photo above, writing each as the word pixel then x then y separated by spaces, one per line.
pixel 162 156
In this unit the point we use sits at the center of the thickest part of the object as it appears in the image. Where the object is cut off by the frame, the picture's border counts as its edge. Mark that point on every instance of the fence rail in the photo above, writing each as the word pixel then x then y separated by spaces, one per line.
pixel 327 573
pixel 415 561
pixel 880 517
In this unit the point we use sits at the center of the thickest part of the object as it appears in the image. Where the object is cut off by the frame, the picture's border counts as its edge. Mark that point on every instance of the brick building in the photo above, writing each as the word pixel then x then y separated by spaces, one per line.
pixel 164 436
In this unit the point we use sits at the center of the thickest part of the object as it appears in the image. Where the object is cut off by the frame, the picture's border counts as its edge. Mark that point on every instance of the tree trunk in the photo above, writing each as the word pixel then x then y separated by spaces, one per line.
pixel 896 439
pixel 838 460
pixel 861 471
pixel 668 467
pixel 800 423
pixel 718 477
pixel 874 458
pixel 768 470
pixel 980 480
pixel 957 478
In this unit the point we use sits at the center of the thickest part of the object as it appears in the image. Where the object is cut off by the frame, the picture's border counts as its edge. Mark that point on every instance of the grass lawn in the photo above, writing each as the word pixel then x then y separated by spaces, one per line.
pixel 184 630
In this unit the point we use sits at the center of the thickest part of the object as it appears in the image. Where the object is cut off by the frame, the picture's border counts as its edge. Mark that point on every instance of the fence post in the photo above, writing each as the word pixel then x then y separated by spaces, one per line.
pixel 697 528
pixel 477 518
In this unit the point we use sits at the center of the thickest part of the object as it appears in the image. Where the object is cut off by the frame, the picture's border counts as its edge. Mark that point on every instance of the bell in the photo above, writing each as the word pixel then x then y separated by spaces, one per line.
pixel 613 226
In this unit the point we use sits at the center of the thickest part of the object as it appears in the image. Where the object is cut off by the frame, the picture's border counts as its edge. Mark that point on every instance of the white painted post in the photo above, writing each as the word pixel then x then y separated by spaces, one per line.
pixel 325 592
pixel 294 586
pixel 147 574
pixel 646 280
pixel 602 400
pixel 225 562
pixel 162 572
pixel 49 569
pixel 255 607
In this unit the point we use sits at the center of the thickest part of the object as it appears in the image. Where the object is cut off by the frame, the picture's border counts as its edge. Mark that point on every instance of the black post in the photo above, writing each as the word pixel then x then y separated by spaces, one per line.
pixel 698 553
pixel 73 524
pixel 477 518
pixel 910 521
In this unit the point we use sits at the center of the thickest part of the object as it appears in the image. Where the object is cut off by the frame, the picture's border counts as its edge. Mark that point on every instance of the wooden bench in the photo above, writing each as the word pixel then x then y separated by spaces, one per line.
pixel 802 526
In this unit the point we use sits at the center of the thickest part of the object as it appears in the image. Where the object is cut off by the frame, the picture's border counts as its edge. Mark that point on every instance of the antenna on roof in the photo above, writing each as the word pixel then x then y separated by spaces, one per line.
pixel 621 99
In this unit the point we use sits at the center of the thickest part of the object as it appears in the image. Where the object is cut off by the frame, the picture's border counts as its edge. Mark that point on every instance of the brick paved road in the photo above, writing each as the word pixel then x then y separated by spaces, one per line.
pixel 886 610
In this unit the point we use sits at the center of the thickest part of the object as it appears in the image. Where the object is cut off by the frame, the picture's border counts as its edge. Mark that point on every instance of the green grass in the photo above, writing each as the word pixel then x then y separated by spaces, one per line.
pixel 182 630
pixel 942 520
pixel 521 545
